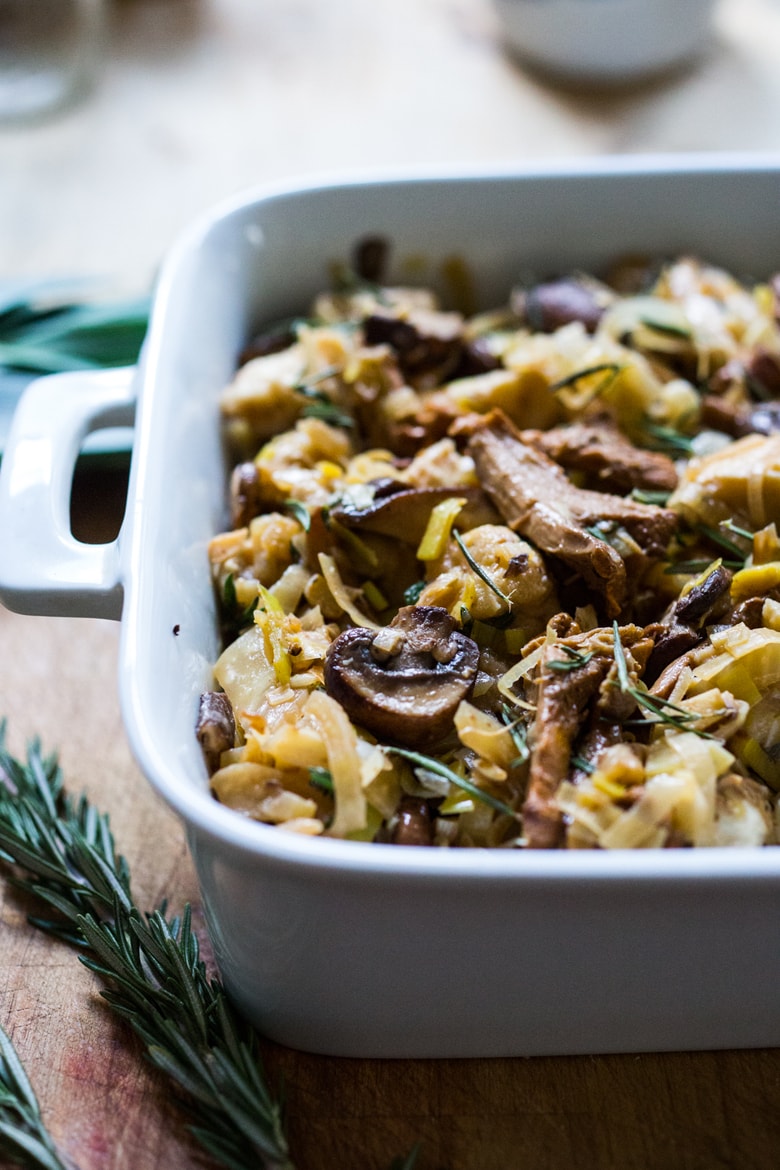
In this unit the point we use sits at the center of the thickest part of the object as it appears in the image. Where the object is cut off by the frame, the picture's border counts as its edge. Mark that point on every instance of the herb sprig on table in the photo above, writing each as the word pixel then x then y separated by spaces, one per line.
pixel 43 333
pixel 63 852
pixel 24 1138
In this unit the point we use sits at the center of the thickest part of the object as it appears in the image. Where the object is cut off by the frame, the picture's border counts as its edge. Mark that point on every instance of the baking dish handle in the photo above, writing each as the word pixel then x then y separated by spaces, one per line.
pixel 43 568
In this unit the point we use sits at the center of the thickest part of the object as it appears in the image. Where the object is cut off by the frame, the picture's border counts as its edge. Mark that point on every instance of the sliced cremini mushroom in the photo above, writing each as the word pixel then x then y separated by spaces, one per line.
pixel 404 683
pixel 246 497
pixel 414 824
pixel 215 727
pixel 555 303
pixel 427 342
pixel 404 513
pixel 682 627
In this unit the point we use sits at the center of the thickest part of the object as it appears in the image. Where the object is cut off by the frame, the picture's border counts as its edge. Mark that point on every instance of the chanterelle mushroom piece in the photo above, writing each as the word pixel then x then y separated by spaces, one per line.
pixel 405 682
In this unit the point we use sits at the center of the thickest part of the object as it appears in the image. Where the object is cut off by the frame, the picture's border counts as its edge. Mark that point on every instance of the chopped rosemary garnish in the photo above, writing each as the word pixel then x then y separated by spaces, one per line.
pixel 695 568
pixel 149 964
pixel 682 331
pixel 318 404
pixel 24 1139
pixel 730 526
pixel 432 765
pixel 662 710
pixel 235 618
pixel 322 779
pixel 657 499
pixel 574 661
pixel 306 386
pixel 611 368
pixel 480 572
pixel 583 765
pixel 723 542
pixel 300 512
pixel 519 735
pixel 327 412
pixel 603 530
pixel 412 594
pixel 667 439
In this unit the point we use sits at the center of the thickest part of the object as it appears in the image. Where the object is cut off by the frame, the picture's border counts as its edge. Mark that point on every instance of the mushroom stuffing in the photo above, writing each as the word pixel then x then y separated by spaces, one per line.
pixel 511 579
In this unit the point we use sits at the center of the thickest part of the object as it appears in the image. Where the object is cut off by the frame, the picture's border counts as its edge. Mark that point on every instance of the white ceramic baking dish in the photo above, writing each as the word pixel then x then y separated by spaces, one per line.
pixel 361 949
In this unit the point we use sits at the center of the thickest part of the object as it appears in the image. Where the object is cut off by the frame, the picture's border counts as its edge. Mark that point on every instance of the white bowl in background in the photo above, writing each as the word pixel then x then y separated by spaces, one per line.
pixel 603 42
pixel 374 950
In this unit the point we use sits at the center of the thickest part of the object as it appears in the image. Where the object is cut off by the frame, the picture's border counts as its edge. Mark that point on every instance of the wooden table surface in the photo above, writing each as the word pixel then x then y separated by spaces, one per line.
pixel 195 100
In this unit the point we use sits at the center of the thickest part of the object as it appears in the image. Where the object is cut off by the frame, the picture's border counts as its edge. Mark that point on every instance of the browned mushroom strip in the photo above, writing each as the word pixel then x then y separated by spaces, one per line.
pixel 215 727
pixel 562 703
pixel 739 418
pixel 404 514
pixel 536 499
pixel 556 303
pixel 245 495
pixel 609 460
pixel 564 698
pixel 681 630
pixel 428 343
pixel 405 682
pixel 414 825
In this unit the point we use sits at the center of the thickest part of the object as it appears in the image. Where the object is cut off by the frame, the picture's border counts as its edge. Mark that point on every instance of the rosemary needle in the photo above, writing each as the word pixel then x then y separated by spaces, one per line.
pixel 23 1137
pixel 417 759
pixel 661 710
pixel 480 572
pixel 153 977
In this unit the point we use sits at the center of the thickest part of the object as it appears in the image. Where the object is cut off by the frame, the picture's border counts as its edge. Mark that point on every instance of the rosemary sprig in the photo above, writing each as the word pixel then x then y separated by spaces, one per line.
pixel 235 617
pixel 327 412
pixel 149 965
pixel 730 526
pixel 299 511
pixel 24 1139
pixel 696 567
pixel 643 496
pixel 480 572
pixel 432 765
pixel 611 369
pixel 683 332
pixel 318 404
pixel 574 660
pixel 661 710
pixel 321 778
pixel 518 732
pixel 65 336
pixel 716 537
pixel 412 594
pixel 667 439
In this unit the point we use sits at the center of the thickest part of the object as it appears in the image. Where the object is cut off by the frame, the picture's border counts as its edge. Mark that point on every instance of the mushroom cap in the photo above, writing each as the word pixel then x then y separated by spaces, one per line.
pixel 405 682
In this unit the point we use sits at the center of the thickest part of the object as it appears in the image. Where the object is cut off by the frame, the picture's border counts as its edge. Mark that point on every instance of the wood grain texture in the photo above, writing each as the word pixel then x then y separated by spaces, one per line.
pixel 196 100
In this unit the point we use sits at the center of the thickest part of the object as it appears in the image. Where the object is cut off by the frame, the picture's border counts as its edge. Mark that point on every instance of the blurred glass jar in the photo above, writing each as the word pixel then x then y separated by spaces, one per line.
pixel 49 52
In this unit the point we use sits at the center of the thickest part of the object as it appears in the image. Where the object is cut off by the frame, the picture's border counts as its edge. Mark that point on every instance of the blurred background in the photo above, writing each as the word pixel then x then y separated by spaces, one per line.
pixel 192 100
